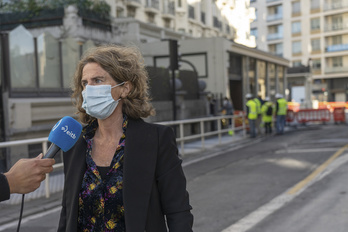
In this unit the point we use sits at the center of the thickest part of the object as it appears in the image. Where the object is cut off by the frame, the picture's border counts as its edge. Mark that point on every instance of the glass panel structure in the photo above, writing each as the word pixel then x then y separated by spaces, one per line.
pixel 48 61
pixel 70 57
pixel 22 58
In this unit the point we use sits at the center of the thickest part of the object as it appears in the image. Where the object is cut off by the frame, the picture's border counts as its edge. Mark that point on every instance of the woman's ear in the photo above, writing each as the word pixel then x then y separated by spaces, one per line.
pixel 127 88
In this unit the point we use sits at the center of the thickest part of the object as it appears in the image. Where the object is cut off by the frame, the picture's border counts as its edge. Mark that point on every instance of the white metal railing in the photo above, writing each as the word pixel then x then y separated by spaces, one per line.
pixel 181 139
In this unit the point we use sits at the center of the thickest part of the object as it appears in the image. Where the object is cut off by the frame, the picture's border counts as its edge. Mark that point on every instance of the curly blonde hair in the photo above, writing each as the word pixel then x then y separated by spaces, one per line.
pixel 123 64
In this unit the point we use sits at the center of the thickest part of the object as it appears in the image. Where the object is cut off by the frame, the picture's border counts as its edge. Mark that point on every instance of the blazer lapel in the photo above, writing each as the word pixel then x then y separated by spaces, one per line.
pixel 75 164
pixel 139 171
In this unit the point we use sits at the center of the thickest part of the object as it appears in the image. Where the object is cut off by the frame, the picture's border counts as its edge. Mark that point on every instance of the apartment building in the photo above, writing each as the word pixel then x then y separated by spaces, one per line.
pixel 310 33
pixel 229 19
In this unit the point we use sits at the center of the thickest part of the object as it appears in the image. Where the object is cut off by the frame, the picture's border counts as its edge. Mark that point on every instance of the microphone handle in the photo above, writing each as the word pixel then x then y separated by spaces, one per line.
pixel 51 151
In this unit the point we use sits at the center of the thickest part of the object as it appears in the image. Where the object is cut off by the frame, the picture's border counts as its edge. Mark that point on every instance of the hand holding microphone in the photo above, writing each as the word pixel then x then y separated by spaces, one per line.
pixel 63 136
pixel 26 174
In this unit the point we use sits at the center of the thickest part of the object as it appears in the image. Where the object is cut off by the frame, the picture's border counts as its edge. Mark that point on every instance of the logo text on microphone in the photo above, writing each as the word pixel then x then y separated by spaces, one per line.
pixel 65 129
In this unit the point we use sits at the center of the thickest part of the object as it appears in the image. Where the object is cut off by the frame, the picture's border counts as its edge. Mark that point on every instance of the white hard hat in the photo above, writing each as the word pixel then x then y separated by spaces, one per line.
pixel 248 95
pixel 278 95
pixel 267 98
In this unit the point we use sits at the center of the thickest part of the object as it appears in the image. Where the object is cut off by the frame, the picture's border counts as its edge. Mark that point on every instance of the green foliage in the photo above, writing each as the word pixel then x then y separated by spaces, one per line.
pixel 36 6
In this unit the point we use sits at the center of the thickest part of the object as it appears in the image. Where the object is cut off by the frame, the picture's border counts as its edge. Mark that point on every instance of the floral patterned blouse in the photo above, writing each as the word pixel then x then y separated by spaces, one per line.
pixel 101 200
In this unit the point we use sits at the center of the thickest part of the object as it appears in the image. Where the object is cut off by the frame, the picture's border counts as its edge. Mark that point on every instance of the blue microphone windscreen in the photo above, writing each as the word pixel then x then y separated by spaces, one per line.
pixel 65 133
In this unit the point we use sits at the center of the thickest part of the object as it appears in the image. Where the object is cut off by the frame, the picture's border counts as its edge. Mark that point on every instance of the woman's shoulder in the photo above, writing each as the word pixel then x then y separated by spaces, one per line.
pixel 156 126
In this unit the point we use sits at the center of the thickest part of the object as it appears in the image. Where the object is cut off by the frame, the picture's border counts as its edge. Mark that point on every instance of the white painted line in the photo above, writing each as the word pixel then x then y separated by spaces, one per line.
pixel 264 211
pixel 306 150
pixel 29 218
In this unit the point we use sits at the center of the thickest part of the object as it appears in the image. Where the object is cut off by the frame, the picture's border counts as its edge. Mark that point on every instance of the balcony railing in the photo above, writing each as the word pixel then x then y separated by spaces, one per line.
pixel 336 27
pixel 335 5
pixel 337 48
pixel 152 4
pixel 336 69
pixel 274 17
pixel 274 36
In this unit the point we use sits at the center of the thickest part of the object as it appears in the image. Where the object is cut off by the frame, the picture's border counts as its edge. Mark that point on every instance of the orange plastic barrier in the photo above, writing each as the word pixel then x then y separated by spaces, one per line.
pixel 290 115
pixel 310 115
pixel 339 114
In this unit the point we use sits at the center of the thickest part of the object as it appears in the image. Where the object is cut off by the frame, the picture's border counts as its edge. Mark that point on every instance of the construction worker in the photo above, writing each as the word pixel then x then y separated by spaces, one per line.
pixel 281 110
pixel 251 113
pixel 267 115
pixel 259 102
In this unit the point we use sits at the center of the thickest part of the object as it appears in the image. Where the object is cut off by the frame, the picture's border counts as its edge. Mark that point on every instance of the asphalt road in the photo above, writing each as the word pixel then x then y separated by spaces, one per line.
pixel 247 189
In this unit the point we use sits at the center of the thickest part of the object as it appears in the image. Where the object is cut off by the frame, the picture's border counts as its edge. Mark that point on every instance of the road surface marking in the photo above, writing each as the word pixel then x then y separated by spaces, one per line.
pixel 305 150
pixel 264 211
pixel 316 172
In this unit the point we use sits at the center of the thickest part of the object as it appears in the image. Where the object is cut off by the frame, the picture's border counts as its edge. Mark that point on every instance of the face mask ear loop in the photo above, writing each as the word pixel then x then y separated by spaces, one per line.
pixel 118 85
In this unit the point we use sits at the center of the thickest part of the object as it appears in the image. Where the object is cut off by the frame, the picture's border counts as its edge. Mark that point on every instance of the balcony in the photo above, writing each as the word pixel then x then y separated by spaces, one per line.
pixel 274 17
pixel 336 5
pixel 275 36
pixel 152 6
pixel 169 11
pixel 336 69
pixel 337 48
pixel 335 27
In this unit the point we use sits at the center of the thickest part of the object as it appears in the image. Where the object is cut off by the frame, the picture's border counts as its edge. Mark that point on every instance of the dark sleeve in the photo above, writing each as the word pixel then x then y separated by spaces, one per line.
pixel 5 188
pixel 247 110
pixel 172 184
pixel 277 107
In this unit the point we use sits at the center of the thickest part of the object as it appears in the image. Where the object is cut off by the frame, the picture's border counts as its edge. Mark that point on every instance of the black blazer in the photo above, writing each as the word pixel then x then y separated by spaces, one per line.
pixel 154 184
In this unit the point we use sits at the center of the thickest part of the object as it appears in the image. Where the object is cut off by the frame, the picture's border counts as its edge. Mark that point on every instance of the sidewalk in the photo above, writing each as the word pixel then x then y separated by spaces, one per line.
pixel 36 201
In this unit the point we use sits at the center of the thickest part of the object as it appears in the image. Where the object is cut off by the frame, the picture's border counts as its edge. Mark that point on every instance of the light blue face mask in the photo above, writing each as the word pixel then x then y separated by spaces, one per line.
pixel 98 101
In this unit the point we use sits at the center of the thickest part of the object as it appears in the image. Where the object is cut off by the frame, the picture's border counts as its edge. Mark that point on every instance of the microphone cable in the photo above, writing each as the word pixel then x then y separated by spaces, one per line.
pixel 21 213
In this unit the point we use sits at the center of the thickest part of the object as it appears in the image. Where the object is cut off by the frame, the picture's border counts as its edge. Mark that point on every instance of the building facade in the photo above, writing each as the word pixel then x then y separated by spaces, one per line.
pixel 229 19
pixel 311 33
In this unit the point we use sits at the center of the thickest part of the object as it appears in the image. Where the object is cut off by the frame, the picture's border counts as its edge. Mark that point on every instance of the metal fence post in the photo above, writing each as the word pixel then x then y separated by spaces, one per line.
pixel 182 139
pixel 219 129
pixel 47 180
pixel 202 134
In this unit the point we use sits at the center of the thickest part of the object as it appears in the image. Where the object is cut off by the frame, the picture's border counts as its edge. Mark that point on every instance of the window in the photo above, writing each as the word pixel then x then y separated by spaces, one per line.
pixel 337 22
pixel 276 49
pixel 316 64
pixel 315 24
pixel 296 27
pixel 191 11
pixel 337 62
pixel 315 4
pixel 315 44
pixel 336 40
pixel 296 47
pixel 253 32
pixel 275 12
pixel 296 8
pixel 296 63
pixel 131 11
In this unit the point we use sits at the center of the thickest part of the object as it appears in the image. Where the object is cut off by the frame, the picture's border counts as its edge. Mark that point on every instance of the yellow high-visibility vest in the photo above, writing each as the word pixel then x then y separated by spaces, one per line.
pixel 258 105
pixel 282 106
pixel 251 104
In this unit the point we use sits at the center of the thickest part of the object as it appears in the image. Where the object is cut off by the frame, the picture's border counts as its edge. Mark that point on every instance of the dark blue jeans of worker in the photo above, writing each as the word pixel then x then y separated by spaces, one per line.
pixel 280 124
pixel 252 124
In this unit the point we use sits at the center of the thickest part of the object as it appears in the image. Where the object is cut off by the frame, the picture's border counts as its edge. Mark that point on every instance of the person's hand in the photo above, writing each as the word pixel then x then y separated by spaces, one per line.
pixel 26 174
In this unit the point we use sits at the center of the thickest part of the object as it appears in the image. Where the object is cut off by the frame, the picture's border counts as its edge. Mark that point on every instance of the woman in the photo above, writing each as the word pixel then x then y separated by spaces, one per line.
pixel 123 174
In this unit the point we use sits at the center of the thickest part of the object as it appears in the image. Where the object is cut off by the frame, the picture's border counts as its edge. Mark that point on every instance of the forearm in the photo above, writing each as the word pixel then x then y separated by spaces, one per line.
pixel 5 188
